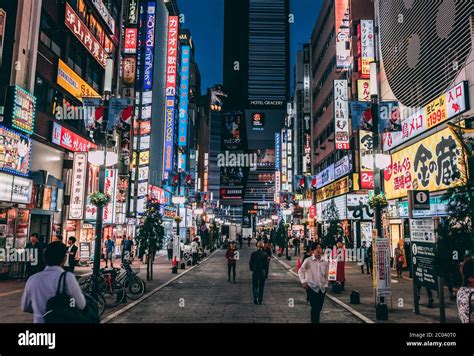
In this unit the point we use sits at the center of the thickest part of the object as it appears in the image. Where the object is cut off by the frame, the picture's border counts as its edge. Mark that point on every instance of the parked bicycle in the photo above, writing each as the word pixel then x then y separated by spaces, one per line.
pixel 134 286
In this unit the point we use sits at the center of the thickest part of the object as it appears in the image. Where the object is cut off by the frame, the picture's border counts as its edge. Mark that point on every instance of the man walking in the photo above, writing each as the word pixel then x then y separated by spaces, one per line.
pixel 194 251
pixel 231 255
pixel 313 274
pixel 109 252
pixel 127 249
pixel 70 262
pixel 258 263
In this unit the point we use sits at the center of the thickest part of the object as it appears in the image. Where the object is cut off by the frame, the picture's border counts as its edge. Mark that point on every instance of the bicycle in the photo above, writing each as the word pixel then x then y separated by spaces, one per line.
pixel 134 286
pixel 107 286
pixel 86 286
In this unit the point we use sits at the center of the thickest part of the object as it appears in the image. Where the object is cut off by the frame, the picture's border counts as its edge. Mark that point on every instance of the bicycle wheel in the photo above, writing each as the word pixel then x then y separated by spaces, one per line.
pixel 114 295
pixel 134 287
pixel 100 300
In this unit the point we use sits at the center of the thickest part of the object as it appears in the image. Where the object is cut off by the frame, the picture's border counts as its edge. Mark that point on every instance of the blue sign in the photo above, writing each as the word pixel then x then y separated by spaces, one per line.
pixel 277 151
pixel 149 46
pixel 168 152
pixel 184 97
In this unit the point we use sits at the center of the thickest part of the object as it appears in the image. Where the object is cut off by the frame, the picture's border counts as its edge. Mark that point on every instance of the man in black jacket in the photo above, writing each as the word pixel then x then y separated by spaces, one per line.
pixel 70 263
pixel 258 263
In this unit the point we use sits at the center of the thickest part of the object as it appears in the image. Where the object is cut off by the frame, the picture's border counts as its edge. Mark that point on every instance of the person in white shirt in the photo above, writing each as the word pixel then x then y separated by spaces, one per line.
pixel 194 250
pixel 42 286
pixel 313 274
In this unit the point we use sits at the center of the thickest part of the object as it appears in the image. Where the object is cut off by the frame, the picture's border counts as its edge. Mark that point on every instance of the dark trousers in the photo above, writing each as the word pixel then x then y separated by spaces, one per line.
pixel 258 283
pixel 267 267
pixel 399 269
pixel 231 268
pixel 368 263
pixel 170 254
pixel 195 258
pixel 316 300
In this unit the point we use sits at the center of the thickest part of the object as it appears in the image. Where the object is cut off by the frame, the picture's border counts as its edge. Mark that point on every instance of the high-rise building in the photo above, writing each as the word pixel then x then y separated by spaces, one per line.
pixel 256 79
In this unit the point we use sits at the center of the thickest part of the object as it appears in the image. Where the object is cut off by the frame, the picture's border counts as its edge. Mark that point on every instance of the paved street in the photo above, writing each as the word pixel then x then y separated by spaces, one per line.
pixel 203 295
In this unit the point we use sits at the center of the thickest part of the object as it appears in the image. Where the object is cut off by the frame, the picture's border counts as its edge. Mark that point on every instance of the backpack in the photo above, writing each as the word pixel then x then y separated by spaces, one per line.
pixel 59 309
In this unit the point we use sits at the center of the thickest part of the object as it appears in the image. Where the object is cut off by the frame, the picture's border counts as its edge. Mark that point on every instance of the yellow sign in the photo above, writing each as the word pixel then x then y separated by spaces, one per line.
pixel 363 90
pixel 73 83
pixel 144 157
pixel 434 163
pixel 334 189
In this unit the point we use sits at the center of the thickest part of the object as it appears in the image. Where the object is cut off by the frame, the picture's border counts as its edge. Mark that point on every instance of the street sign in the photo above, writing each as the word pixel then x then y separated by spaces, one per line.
pixel 419 200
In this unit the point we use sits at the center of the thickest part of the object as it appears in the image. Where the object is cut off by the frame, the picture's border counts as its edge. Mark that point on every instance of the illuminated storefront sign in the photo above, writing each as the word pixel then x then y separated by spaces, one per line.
pixel 99 5
pixel 341 115
pixel 131 38
pixel 110 189
pixel 450 104
pixel 73 83
pixel 149 46
pixel 132 12
pixel 366 43
pixel 184 97
pixel 69 140
pixel 343 51
pixel 172 55
pixel 169 135
pixel 82 33
pixel 325 177
pixel 343 167
pixel 15 152
pixel 334 189
pixel 363 90
pixel 366 146
pixel 434 163
pixel 78 182
pixel 22 109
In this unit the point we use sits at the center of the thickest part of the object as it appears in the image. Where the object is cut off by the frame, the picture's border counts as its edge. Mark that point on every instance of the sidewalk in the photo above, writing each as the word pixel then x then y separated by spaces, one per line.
pixel 400 307
pixel 12 290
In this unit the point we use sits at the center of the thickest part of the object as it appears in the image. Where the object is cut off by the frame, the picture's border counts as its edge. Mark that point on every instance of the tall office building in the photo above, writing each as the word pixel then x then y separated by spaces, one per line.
pixel 256 79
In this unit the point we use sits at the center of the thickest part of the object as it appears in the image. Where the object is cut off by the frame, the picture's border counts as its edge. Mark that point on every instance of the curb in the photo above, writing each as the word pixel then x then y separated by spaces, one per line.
pixel 334 299
pixel 149 294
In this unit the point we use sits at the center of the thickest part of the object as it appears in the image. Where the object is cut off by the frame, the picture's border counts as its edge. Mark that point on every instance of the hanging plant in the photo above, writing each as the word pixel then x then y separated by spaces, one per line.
pixel 378 201
pixel 178 219
pixel 99 199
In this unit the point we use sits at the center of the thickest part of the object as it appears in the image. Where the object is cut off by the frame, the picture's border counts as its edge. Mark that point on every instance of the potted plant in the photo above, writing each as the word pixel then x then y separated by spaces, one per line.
pixel 99 199
pixel 378 201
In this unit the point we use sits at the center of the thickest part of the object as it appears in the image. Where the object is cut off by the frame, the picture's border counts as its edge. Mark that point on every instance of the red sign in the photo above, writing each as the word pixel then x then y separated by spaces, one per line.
pixel 69 140
pixel 156 193
pixel 172 55
pixel 131 35
pixel 312 212
pixel 367 180
pixel 82 33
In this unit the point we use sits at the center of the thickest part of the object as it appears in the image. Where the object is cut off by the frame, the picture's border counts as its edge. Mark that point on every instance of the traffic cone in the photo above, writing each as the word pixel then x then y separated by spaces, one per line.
pixel 299 264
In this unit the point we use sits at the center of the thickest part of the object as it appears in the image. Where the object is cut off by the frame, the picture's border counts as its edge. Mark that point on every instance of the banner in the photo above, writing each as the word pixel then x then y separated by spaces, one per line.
pixel 184 97
pixel 341 115
pixel 358 207
pixel 73 83
pixel 361 116
pixel 334 189
pixel 69 140
pixel 110 188
pixel 168 153
pixel 383 279
pixel 149 46
pixel 325 177
pixel 434 163
pixel 131 40
pixel 343 166
pixel 363 90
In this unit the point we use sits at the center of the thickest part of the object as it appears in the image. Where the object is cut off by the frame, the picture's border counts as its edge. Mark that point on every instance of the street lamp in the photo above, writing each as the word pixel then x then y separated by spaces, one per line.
pixel 305 204
pixel 100 156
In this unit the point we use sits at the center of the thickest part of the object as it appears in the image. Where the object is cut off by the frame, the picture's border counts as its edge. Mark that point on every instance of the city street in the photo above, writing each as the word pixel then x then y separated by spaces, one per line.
pixel 203 295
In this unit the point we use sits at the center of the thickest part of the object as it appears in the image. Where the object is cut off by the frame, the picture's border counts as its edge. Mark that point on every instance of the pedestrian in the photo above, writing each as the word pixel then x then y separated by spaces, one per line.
pixel 169 247
pixel 339 254
pixel 296 245
pixel 231 255
pixel 313 274
pixel 127 249
pixel 465 295
pixel 57 237
pixel 268 251
pixel 249 240
pixel 70 262
pixel 369 260
pixel 194 251
pixel 43 285
pixel 399 261
pixel 109 252
pixel 41 247
pixel 258 262
pixel 363 256
pixel 34 251
pixel 241 240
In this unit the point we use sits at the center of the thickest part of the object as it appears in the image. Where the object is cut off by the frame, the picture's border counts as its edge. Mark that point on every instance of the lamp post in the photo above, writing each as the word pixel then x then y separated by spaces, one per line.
pixel 100 209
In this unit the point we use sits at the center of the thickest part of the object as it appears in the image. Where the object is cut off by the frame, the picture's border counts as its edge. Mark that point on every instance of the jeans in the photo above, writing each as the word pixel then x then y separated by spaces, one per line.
pixel 297 249
pixel 231 267
pixel 258 283
pixel 316 300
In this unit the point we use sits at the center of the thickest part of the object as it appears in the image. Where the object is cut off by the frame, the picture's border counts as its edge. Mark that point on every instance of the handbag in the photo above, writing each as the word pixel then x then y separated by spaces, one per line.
pixel 60 310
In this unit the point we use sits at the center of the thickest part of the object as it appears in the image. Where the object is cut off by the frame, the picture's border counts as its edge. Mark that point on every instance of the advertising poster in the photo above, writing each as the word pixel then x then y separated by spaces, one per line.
pixel 184 97
pixel 172 55
pixel 366 43
pixel 366 145
pixel 343 37
pixel 15 152
pixel 382 267
pixel 423 247
pixel 358 207
pixel 231 130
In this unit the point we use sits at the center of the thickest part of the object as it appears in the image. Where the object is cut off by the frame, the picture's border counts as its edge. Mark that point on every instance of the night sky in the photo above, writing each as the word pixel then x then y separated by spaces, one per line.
pixel 205 19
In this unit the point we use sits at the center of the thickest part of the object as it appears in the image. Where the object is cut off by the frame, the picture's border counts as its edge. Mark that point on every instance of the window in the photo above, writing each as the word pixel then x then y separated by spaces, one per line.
pixel 44 96
pixel 48 35
pixel 76 59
